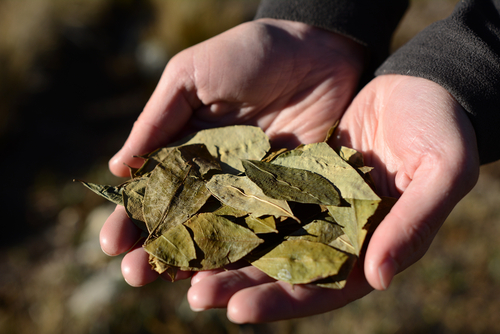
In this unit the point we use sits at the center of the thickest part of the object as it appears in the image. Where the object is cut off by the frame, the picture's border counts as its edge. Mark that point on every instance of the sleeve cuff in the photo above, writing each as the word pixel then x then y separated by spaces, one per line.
pixel 368 22
pixel 462 54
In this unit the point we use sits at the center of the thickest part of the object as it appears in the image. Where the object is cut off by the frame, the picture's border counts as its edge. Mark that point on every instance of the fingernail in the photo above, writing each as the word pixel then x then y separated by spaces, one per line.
pixel 104 241
pixel 386 272
pixel 194 309
pixel 106 252
pixel 195 279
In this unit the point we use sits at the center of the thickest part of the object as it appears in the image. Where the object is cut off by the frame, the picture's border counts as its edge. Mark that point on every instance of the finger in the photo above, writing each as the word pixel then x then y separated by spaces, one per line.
pixel 407 231
pixel 118 234
pixel 279 301
pixel 215 290
pixel 201 275
pixel 136 269
pixel 165 114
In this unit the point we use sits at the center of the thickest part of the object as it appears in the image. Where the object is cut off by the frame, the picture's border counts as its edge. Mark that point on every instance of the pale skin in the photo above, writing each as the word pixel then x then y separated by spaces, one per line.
pixel 295 81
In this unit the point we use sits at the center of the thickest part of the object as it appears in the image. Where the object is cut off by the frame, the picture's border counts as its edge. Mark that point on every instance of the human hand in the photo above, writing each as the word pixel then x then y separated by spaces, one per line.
pixel 290 79
pixel 423 148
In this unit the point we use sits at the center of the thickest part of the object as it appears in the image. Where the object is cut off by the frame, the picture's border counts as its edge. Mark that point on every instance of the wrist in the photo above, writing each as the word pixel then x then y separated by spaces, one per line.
pixel 346 47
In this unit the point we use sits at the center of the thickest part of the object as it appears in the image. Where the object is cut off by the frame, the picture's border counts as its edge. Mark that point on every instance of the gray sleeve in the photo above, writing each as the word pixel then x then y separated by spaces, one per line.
pixel 369 22
pixel 462 54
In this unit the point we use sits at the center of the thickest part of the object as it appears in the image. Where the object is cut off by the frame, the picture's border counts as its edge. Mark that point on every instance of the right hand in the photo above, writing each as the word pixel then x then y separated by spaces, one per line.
pixel 292 80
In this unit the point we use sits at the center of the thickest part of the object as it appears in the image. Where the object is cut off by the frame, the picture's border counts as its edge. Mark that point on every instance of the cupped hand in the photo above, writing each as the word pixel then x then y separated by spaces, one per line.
pixel 288 78
pixel 292 80
pixel 423 148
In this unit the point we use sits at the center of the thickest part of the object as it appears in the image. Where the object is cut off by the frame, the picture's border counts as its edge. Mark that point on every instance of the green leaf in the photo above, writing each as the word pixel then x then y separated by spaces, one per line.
pixel 291 184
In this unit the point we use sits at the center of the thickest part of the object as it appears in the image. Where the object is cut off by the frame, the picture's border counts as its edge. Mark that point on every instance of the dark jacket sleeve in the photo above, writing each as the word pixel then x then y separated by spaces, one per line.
pixel 462 54
pixel 369 22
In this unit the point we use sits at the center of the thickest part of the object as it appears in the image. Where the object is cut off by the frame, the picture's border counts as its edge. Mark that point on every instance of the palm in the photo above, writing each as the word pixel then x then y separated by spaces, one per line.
pixel 423 147
pixel 292 80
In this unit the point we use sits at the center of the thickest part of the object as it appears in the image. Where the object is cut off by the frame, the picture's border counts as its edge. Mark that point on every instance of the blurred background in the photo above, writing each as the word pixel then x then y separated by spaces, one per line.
pixel 74 75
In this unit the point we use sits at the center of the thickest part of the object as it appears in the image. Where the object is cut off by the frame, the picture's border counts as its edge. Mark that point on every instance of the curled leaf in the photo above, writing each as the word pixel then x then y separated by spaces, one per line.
pixel 112 194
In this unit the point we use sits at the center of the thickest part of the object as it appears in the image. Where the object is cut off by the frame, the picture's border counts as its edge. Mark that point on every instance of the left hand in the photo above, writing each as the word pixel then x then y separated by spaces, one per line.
pixel 291 79
pixel 423 148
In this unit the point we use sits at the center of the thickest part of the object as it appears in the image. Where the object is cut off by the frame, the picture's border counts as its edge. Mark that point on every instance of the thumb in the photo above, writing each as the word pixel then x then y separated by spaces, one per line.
pixel 407 231
pixel 165 114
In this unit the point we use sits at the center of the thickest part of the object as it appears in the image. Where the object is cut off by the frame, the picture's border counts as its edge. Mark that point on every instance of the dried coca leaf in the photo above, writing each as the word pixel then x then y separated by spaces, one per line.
pixel 323 160
pixel 383 209
pixel 112 194
pixel 204 199
pixel 339 280
pixel 301 261
pixel 261 225
pixel 175 189
pixel 165 182
pixel 291 184
pixel 133 196
pixel 319 230
pixel 344 244
pixel 220 241
pixel 231 144
pixel 354 218
pixel 242 194
pixel 228 211
pixel 272 155
pixel 266 224
pixel 175 248
pixel 152 160
pixel 199 155
pixel 351 156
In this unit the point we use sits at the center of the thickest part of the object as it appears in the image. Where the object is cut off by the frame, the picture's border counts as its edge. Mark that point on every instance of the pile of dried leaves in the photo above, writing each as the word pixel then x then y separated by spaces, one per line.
pixel 221 195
